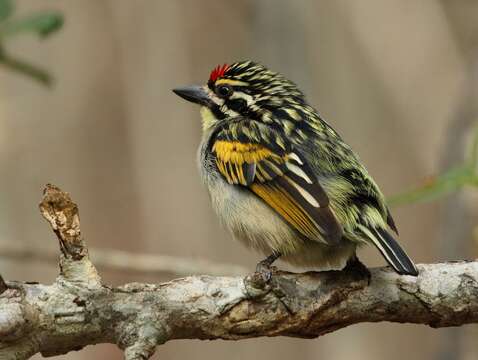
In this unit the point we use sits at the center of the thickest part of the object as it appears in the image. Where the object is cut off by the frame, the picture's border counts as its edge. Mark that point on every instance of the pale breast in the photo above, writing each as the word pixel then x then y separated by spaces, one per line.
pixel 248 218
pixel 255 224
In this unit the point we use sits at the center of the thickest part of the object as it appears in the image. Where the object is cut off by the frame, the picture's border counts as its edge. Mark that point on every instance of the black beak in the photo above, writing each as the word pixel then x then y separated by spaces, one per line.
pixel 194 93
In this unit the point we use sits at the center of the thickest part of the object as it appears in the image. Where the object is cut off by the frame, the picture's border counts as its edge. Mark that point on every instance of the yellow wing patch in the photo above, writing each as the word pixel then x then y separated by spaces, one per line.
pixel 240 152
pixel 288 208
pixel 284 182
pixel 237 161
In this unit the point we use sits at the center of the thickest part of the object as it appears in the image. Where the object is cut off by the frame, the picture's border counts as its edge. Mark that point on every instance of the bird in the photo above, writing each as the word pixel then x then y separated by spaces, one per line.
pixel 281 179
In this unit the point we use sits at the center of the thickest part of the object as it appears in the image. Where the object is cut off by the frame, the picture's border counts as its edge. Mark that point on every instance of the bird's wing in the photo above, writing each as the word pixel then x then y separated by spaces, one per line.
pixel 284 181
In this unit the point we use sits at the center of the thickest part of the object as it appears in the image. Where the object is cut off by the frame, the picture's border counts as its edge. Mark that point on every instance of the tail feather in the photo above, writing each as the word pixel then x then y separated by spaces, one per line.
pixel 391 250
pixel 393 253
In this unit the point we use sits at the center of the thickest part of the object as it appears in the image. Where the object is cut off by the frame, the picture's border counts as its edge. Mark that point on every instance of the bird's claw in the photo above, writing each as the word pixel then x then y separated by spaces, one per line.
pixel 265 271
pixel 357 267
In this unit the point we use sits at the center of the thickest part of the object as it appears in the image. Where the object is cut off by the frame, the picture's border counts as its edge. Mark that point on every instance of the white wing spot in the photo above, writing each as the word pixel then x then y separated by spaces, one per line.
pixel 299 172
pixel 306 195
pixel 295 157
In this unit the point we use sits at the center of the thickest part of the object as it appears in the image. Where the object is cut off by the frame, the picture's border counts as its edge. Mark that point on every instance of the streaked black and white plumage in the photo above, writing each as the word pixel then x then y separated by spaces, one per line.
pixel 281 179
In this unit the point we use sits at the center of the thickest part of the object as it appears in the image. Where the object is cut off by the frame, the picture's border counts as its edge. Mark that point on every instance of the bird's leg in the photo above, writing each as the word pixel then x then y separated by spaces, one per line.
pixel 264 267
pixel 355 266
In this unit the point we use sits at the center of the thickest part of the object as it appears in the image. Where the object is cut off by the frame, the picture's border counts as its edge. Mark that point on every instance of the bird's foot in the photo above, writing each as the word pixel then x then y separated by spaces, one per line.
pixel 264 268
pixel 265 271
pixel 355 266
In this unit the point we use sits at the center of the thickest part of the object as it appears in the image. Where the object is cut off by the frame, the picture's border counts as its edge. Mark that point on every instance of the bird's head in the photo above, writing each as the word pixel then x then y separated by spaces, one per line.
pixel 243 89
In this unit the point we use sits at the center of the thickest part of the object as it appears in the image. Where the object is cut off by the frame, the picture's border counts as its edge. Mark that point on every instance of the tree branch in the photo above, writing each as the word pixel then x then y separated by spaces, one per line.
pixel 77 310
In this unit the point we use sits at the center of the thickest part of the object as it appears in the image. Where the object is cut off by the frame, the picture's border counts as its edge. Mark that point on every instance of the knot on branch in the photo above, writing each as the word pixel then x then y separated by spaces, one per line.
pixel 145 345
pixel 141 336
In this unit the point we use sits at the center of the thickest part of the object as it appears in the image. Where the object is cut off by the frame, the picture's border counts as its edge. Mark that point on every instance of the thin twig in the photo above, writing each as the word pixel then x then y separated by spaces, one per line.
pixel 22 67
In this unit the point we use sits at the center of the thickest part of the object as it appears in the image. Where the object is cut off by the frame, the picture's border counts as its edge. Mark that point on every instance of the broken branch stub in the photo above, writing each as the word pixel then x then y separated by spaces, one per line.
pixel 63 216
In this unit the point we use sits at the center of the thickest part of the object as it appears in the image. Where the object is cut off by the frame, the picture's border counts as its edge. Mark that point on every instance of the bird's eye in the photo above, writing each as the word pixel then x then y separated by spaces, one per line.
pixel 224 90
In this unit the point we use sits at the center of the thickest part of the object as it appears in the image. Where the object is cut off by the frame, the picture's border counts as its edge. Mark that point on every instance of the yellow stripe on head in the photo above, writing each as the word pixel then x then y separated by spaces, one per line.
pixel 231 82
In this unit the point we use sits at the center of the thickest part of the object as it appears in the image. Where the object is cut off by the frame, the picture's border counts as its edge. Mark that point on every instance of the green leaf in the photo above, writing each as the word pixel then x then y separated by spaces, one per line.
pixel 6 9
pixel 444 184
pixel 43 24
pixel 451 181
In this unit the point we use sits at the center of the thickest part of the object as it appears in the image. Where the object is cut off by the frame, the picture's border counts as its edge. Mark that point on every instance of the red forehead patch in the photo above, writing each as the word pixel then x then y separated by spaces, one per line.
pixel 218 72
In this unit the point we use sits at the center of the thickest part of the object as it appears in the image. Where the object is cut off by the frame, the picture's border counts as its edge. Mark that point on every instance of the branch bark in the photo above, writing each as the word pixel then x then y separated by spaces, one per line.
pixel 78 310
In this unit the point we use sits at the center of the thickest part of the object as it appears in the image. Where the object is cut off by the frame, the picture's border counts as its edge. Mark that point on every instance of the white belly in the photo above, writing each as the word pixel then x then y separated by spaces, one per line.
pixel 255 224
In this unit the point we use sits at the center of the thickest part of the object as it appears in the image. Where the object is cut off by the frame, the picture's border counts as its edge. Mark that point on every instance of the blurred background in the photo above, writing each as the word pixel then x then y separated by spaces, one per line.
pixel 398 79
